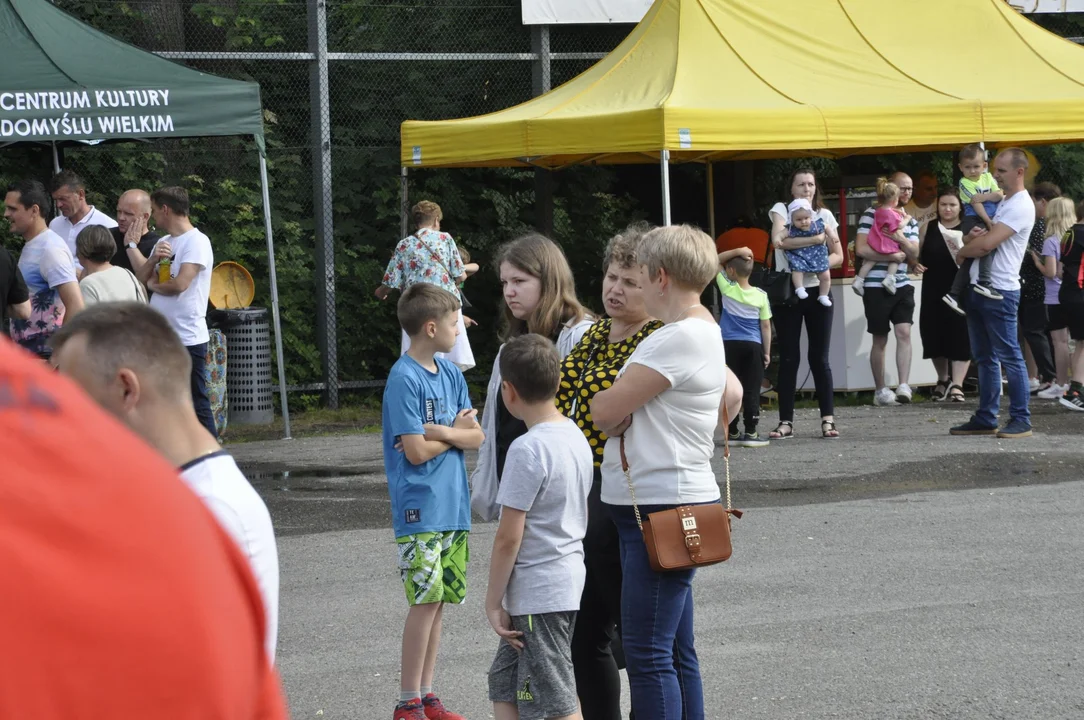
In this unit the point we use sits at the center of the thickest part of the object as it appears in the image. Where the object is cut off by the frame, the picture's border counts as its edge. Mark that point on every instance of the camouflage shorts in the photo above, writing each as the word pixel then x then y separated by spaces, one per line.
pixel 434 566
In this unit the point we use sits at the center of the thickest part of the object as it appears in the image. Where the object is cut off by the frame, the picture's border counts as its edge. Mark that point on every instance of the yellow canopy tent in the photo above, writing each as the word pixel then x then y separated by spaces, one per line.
pixel 706 80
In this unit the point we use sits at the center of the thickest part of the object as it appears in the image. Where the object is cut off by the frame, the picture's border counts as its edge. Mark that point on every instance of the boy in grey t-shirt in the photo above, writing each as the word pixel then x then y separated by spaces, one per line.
pixel 537 571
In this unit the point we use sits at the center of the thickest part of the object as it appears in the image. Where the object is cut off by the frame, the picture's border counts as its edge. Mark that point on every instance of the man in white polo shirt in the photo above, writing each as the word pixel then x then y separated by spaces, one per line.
pixel 992 324
pixel 70 195
pixel 128 359
pixel 183 298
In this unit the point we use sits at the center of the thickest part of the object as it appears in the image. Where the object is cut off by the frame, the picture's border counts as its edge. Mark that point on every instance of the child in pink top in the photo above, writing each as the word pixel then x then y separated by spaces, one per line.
pixel 885 236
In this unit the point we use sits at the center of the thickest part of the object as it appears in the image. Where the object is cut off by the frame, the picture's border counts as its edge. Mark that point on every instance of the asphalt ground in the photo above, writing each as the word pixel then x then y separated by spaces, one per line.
pixel 896 572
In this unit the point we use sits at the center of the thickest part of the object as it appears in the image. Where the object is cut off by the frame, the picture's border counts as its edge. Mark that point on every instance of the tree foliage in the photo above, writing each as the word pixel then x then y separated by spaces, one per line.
pixel 368 101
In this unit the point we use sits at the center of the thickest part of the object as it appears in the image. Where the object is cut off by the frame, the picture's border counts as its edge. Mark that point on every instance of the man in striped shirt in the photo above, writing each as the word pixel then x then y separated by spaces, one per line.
pixel 884 308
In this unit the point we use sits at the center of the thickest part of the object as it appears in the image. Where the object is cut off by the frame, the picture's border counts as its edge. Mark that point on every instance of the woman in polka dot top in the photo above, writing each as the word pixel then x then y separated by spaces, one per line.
pixel 591 367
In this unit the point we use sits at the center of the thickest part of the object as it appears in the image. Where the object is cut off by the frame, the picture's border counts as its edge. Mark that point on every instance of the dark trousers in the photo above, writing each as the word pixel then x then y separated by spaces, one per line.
pixel 1033 321
pixel 200 401
pixel 746 359
pixel 788 328
pixel 596 651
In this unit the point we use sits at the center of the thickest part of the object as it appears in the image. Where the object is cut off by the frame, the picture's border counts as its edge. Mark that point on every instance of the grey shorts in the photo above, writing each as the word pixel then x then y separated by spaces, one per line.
pixel 539 679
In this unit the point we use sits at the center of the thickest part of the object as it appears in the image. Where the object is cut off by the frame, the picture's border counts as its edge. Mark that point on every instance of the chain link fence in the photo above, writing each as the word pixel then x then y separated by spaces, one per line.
pixel 338 77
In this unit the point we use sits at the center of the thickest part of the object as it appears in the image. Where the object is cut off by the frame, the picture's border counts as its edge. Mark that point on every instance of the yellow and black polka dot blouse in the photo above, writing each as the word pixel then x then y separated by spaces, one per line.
pixel 591 367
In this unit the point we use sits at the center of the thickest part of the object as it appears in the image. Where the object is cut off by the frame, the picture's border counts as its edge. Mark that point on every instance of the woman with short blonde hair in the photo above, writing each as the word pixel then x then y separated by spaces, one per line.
pixel 666 402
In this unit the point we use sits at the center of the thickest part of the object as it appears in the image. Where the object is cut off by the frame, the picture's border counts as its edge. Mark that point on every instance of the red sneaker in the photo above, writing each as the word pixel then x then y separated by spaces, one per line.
pixel 409 711
pixel 434 709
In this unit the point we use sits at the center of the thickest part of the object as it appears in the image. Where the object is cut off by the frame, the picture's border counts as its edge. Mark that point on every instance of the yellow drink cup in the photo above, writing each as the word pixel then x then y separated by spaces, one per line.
pixel 163 270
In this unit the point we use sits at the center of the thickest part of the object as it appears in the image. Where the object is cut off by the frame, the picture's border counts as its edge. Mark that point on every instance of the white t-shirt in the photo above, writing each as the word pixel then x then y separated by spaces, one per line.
pixel 63 227
pixel 116 284
pixel 547 474
pixel 1018 212
pixel 921 215
pixel 781 263
pixel 187 312
pixel 218 482
pixel 671 440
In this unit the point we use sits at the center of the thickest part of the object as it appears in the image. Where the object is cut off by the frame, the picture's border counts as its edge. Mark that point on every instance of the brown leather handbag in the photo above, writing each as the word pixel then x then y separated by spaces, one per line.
pixel 689 536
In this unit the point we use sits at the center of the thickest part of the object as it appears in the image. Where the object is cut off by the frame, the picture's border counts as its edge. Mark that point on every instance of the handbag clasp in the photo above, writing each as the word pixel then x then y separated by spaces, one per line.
pixel 692 541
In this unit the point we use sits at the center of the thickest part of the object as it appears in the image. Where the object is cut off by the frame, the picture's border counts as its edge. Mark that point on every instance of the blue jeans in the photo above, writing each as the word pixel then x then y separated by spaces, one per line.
pixel 200 399
pixel 992 326
pixel 657 629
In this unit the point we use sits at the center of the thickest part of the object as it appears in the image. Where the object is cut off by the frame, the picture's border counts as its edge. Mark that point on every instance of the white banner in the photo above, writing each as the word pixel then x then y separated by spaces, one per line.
pixel 1048 6
pixel 569 12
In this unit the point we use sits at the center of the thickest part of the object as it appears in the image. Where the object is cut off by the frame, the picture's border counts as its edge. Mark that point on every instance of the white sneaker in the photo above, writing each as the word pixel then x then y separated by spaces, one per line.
pixel 884 397
pixel 903 393
pixel 1054 392
pixel 951 302
pixel 988 292
pixel 1034 385
pixel 889 284
pixel 859 288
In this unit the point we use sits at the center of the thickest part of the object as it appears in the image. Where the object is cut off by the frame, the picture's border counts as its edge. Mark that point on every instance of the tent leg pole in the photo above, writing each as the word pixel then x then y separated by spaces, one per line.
pixel 56 159
pixel 274 298
pixel 716 300
pixel 711 200
pixel 664 163
pixel 404 204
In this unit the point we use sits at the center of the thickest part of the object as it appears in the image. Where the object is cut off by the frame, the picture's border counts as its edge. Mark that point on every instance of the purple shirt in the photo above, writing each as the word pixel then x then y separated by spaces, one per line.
pixel 1052 248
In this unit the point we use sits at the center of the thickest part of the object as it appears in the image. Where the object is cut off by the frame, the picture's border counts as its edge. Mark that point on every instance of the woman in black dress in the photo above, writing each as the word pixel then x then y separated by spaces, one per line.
pixel 944 332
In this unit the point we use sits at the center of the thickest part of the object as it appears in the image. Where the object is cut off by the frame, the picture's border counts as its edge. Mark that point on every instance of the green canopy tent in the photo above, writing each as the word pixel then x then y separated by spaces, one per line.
pixel 69 83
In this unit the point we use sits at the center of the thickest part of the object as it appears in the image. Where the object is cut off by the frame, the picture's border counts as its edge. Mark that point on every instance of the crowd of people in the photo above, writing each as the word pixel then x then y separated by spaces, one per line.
pixel 83 257
pixel 592 423
pixel 120 312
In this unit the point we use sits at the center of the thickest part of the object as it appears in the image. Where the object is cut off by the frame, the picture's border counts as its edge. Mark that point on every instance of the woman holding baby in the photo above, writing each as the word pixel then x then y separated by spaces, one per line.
pixel 814 310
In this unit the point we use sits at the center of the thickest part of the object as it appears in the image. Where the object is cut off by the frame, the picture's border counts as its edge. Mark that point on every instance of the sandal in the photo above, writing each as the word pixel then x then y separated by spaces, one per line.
pixel 940 390
pixel 828 430
pixel 779 434
pixel 955 394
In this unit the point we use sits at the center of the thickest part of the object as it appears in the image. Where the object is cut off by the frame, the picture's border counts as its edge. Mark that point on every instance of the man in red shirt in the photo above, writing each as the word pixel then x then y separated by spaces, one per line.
pixel 122 596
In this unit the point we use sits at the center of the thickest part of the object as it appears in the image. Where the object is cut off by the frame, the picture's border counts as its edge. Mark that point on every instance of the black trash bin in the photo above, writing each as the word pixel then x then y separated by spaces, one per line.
pixel 248 364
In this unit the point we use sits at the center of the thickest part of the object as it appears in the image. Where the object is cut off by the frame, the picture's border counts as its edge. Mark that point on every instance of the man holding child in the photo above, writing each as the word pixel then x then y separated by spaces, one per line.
pixel 992 322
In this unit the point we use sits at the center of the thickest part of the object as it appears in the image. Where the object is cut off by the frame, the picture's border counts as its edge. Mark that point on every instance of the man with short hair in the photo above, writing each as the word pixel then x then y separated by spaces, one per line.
pixel 882 307
pixel 923 206
pixel 129 360
pixel 122 595
pixel 70 194
pixel 47 267
pixel 135 241
pixel 183 298
pixel 992 324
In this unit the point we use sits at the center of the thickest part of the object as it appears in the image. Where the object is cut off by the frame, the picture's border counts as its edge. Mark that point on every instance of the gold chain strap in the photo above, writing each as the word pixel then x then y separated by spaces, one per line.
pixel 635 507
pixel 726 464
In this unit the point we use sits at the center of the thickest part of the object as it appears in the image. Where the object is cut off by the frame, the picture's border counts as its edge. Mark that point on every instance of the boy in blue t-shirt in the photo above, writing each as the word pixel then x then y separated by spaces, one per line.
pixel 746 324
pixel 428 423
